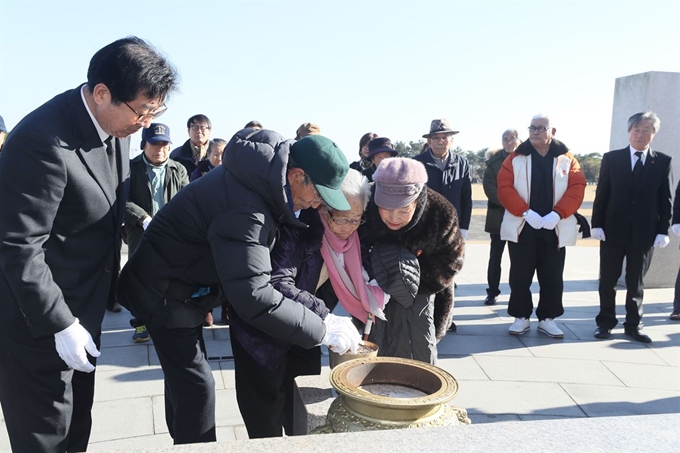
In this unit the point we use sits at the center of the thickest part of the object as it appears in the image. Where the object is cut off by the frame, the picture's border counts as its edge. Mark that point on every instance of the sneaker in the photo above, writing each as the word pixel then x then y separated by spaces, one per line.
pixel 548 327
pixel 141 334
pixel 520 326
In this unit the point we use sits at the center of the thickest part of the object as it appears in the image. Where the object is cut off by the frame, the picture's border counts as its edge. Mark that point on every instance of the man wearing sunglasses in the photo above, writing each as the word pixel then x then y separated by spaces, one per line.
pixel 195 149
pixel 62 183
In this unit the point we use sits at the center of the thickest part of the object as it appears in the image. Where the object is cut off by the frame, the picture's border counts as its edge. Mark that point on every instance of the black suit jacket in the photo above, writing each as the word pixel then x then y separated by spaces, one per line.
pixel 60 221
pixel 629 212
pixel 676 205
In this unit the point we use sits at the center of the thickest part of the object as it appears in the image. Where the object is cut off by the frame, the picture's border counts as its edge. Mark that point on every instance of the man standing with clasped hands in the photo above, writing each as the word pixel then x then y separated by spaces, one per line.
pixel 541 186
pixel 631 215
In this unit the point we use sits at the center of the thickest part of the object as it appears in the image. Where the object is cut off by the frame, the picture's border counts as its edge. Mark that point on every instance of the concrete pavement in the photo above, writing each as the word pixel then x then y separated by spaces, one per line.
pixel 502 378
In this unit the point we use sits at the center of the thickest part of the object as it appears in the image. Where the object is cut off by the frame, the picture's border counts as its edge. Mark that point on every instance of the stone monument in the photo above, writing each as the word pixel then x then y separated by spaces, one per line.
pixel 660 93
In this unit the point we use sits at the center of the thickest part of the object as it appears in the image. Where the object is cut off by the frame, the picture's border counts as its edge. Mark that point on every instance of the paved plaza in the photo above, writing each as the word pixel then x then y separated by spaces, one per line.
pixel 533 379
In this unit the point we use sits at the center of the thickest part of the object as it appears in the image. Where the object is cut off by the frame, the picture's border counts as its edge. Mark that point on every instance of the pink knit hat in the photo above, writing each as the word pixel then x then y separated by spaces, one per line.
pixel 398 182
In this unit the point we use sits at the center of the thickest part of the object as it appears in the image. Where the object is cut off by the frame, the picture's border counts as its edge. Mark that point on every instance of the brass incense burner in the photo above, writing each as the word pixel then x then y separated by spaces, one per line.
pixel 426 391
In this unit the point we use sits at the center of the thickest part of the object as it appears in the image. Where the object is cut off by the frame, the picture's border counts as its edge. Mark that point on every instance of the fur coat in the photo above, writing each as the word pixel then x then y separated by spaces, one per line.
pixel 433 236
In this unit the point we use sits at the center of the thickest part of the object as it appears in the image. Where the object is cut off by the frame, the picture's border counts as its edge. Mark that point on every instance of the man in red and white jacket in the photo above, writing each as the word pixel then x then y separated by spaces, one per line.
pixel 540 186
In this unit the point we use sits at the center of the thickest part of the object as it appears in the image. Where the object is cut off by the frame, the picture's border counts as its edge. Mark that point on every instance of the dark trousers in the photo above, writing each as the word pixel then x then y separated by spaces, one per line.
pixel 46 405
pixel 544 258
pixel 265 398
pixel 189 383
pixel 611 262
pixel 676 299
pixel 409 332
pixel 493 271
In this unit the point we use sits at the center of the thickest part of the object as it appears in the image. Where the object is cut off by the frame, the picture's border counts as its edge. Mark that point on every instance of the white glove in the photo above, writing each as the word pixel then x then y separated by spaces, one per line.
pixel 534 219
pixel 661 241
pixel 464 233
pixel 598 233
pixel 341 335
pixel 146 222
pixel 550 220
pixel 676 229
pixel 73 343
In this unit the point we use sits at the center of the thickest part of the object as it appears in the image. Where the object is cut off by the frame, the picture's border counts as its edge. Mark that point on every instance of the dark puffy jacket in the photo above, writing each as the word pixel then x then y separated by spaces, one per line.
pixel 297 263
pixel 453 183
pixel 494 209
pixel 397 271
pixel 220 230
pixel 296 266
pixel 139 203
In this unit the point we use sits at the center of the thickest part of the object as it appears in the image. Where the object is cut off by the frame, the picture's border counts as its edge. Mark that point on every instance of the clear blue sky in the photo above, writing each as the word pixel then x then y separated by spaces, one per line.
pixel 356 66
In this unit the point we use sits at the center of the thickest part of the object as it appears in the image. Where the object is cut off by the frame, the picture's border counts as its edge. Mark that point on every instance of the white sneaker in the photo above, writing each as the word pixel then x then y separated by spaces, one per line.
pixel 520 326
pixel 548 327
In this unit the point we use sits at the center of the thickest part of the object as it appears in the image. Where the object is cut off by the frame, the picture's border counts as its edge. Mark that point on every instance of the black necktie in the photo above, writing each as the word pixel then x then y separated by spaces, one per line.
pixel 111 154
pixel 637 169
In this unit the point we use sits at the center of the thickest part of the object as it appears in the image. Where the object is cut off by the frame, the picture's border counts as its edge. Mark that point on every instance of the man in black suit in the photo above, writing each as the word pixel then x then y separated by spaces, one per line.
pixel 631 215
pixel 63 174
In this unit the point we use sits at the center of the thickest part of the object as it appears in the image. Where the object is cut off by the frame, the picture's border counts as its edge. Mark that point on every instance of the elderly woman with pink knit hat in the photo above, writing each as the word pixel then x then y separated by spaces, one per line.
pixel 417 249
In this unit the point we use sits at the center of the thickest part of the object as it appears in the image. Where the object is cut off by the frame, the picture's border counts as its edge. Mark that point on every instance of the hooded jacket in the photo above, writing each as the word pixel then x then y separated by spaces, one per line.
pixel 219 231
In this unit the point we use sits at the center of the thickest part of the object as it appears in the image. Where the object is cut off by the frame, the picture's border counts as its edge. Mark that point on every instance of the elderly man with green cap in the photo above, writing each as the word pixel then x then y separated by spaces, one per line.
pixel 211 242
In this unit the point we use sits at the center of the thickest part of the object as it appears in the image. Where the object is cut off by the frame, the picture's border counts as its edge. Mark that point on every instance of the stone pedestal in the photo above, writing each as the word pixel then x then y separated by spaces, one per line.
pixel 660 93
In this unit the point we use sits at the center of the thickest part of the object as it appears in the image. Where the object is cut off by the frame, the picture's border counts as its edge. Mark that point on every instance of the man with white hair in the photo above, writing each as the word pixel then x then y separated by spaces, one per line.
pixel 631 216
pixel 541 186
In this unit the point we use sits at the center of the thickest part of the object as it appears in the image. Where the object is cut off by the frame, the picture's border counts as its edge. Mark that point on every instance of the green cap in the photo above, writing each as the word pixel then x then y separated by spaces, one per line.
pixel 326 166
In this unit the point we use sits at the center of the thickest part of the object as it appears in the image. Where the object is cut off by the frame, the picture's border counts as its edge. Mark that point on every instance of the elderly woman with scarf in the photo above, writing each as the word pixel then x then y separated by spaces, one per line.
pixel 417 249
pixel 311 266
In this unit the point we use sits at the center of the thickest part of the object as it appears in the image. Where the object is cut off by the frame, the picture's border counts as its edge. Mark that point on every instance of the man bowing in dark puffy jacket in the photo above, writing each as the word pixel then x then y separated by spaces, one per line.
pixel 213 241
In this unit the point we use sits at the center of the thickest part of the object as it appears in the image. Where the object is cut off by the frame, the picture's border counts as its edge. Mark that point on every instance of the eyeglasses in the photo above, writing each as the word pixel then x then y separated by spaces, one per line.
pixel 196 128
pixel 343 222
pixel 510 139
pixel 538 129
pixel 149 115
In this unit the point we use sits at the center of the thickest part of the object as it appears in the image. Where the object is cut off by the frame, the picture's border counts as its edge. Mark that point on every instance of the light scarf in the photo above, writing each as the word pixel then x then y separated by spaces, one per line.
pixel 356 295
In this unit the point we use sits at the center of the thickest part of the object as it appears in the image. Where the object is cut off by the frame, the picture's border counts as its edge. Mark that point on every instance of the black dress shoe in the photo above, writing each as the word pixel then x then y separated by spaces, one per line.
pixel 453 327
pixel 490 300
pixel 637 335
pixel 603 333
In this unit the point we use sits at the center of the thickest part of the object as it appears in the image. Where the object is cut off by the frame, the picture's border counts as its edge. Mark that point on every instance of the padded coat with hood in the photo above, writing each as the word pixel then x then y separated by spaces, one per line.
pixel 220 230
